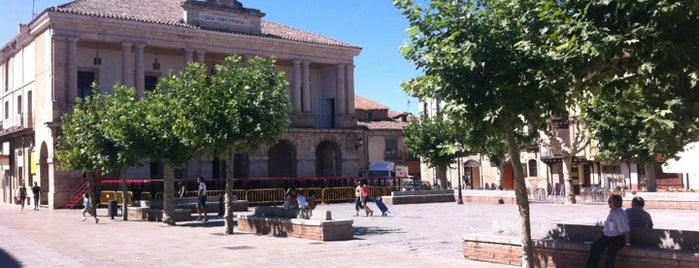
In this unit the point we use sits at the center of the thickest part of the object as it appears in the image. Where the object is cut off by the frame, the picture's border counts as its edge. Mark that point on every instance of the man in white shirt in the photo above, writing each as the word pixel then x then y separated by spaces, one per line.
pixel 615 235
pixel 201 205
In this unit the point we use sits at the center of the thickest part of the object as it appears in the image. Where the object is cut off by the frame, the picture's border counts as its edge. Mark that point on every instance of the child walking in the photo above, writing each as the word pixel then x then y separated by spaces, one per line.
pixel 88 208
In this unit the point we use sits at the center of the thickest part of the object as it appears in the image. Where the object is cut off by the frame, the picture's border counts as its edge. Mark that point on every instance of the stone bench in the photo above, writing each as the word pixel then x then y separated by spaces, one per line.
pixel 418 197
pixel 284 223
pixel 212 203
pixel 153 214
pixel 567 245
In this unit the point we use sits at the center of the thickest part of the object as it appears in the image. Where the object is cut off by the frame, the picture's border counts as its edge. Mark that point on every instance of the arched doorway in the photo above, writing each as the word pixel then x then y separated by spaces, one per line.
pixel 282 160
pixel 328 159
pixel 44 173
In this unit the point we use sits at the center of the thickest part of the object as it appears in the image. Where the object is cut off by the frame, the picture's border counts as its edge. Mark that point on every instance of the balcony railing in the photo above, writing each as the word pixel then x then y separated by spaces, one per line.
pixel 393 154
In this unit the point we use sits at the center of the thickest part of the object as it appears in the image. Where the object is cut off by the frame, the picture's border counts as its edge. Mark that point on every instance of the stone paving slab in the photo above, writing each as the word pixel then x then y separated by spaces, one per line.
pixel 416 235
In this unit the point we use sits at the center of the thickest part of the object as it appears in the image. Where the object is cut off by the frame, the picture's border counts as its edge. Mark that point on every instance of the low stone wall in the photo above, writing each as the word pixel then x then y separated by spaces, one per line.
pixel 283 223
pixel 419 196
pixel 568 245
pixel 489 196
pixel 665 200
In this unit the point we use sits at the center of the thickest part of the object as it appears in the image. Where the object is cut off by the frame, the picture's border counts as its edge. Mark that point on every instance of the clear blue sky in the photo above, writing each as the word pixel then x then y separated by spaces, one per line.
pixel 376 26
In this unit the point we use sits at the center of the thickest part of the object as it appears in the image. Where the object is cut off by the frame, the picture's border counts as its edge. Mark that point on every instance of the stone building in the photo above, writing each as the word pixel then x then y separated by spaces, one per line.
pixel 382 136
pixel 58 54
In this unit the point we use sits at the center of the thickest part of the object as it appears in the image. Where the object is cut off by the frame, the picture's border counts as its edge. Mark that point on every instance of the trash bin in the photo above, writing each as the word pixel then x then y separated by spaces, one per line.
pixel 112 208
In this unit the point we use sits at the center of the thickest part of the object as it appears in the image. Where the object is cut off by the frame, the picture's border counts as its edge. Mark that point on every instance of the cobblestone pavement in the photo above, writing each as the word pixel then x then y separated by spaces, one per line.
pixel 419 235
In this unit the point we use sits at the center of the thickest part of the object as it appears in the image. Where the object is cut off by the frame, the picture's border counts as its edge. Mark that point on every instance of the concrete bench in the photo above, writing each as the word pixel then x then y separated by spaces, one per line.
pixel 418 197
pixel 567 245
pixel 153 214
pixel 212 203
pixel 284 223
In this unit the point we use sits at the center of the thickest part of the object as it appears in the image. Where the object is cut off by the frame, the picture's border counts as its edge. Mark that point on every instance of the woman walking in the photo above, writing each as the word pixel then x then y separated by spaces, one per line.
pixel 365 199
pixel 357 197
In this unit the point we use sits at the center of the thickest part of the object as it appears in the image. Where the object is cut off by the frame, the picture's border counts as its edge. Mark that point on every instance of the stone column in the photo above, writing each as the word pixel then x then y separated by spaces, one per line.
pixel 340 93
pixel 350 89
pixel 297 86
pixel 200 56
pixel 188 55
pixel 71 91
pixel 306 88
pixel 139 72
pixel 58 93
pixel 126 73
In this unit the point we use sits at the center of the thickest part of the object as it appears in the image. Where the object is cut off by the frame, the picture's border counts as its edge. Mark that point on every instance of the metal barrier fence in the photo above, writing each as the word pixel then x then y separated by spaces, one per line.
pixel 120 197
pixel 265 196
pixel 105 196
pixel 336 194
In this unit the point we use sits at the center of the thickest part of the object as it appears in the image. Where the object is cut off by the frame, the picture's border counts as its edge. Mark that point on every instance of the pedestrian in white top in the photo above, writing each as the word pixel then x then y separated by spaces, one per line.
pixel 201 205
pixel 615 235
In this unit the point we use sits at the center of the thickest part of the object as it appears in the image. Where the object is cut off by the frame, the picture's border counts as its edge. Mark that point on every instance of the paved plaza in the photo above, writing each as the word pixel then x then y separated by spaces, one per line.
pixel 418 235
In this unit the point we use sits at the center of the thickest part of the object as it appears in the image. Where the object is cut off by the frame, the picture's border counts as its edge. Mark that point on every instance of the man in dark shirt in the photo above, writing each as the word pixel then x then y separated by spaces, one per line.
pixel 36 191
pixel 639 218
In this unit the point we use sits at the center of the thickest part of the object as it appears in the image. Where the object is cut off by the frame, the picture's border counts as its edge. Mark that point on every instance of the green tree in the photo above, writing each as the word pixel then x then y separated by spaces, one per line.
pixel 241 106
pixel 160 106
pixel 123 124
pixel 483 58
pixel 82 145
pixel 428 139
pixel 642 59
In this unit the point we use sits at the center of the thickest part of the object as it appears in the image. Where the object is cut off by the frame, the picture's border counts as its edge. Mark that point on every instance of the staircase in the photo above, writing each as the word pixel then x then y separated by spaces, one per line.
pixel 76 195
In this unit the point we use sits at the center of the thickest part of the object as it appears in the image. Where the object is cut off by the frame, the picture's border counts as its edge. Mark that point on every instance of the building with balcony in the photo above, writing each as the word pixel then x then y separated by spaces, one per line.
pixel 543 167
pixel 382 136
pixel 57 55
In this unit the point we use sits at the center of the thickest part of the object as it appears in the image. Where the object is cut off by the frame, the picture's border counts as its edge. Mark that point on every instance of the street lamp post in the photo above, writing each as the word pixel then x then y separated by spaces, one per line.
pixel 458 172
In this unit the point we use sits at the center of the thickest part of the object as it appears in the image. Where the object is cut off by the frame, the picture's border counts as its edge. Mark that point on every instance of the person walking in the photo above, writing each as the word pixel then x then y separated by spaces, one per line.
pixel 616 235
pixel 365 199
pixel 638 217
pixel 358 197
pixel 36 193
pixel 87 207
pixel 201 205
pixel 22 195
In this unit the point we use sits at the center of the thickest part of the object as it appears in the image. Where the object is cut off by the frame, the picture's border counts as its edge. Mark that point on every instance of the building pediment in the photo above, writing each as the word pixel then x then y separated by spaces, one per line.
pixel 222 15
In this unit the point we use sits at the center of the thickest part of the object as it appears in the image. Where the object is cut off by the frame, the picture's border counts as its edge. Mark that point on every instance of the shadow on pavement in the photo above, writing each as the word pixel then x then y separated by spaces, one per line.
pixel 364 231
pixel 211 223
pixel 8 261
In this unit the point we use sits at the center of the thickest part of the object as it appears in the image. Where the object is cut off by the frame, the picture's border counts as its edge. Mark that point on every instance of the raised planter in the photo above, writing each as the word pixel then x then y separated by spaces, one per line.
pixel 568 245
pixel 418 197
pixel 281 222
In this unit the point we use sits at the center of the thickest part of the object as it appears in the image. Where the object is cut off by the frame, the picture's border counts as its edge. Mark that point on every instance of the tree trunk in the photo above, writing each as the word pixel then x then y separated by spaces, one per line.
pixel 567 181
pixel 169 194
pixel 228 199
pixel 92 190
pixel 522 199
pixel 123 172
pixel 650 176
pixel 441 173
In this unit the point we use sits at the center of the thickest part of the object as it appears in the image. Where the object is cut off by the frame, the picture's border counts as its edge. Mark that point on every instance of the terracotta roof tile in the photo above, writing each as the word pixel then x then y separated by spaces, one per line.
pixel 362 103
pixel 382 125
pixel 169 12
